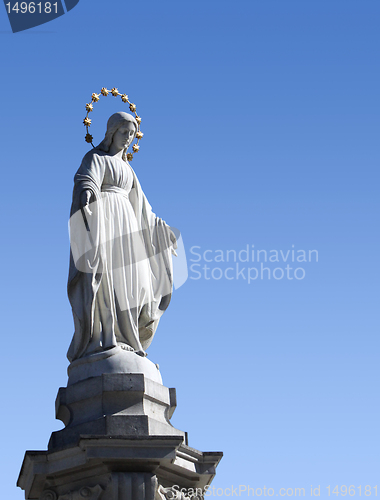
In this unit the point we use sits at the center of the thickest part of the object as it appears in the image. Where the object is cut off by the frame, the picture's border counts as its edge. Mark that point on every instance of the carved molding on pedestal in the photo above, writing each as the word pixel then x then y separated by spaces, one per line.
pixel 80 494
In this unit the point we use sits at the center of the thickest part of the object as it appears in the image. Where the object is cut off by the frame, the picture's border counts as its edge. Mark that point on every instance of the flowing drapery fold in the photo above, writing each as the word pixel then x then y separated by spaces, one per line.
pixel 120 277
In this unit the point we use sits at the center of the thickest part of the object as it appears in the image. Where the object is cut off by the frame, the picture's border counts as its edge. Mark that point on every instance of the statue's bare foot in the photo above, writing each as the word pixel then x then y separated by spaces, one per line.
pixel 125 347
pixel 143 354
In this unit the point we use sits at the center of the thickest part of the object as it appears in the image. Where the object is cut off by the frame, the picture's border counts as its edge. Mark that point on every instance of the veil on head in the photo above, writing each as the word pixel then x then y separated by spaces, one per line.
pixel 114 122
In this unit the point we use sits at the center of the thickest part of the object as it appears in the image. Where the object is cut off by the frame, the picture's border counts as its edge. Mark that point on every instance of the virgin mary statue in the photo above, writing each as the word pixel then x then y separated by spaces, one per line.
pixel 120 278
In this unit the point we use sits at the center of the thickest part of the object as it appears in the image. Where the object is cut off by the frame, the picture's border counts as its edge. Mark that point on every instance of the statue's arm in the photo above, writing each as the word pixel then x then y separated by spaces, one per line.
pixel 172 236
pixel 88 180
pixel 148 217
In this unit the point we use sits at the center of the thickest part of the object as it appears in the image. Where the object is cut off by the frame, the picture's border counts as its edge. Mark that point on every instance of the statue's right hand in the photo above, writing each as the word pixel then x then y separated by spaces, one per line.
pixel 85 201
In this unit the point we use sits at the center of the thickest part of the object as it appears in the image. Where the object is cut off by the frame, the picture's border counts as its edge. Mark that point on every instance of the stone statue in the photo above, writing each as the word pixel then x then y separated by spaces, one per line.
pixel 118 442
pixel 120 278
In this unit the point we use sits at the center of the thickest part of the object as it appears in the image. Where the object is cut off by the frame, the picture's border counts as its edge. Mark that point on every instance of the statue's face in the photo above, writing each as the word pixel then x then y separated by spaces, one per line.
pixel 123 136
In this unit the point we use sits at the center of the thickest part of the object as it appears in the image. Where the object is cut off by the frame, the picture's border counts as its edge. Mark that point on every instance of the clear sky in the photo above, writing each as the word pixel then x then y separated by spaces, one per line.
pixel 261 127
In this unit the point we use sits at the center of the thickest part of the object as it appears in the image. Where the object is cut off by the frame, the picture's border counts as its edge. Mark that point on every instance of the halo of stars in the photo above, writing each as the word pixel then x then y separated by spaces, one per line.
pixel 132 107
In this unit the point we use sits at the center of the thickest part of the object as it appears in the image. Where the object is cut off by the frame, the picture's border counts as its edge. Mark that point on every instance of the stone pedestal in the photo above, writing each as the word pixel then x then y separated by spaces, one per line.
pixel 114 404
pixel 109 468
pixel 118 443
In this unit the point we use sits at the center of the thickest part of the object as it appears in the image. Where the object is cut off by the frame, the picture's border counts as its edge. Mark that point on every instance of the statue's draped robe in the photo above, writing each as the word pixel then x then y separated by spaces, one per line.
pixel 120 278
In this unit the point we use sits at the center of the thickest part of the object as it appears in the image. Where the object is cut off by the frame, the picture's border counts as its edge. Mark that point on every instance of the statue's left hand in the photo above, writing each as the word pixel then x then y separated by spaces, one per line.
pixel 173 239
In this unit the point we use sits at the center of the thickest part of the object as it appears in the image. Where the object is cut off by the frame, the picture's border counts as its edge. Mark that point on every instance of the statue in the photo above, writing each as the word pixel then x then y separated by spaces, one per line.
pixel 118 441
pixel 120 277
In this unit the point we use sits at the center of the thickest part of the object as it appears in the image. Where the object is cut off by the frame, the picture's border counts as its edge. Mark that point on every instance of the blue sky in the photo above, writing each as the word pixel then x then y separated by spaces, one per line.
pixel 261 127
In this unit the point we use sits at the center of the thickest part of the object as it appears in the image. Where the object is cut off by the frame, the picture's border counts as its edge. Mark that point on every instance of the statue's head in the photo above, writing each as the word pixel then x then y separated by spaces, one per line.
pixel 121 131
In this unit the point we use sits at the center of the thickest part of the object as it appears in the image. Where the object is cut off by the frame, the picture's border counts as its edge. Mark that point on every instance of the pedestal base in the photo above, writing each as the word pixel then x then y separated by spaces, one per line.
pixel 114 404
pixel 118 469
pixel 118 444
